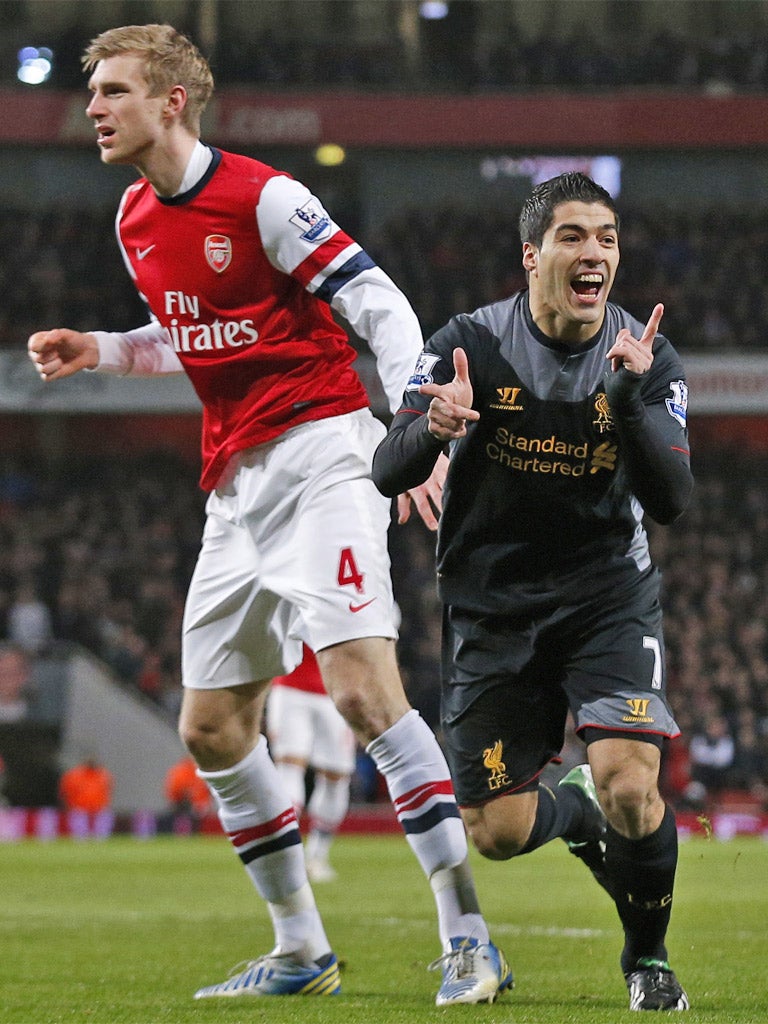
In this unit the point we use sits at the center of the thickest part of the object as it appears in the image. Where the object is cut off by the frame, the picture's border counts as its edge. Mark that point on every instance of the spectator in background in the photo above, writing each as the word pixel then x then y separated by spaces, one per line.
pixel 85 793
pixel 188 796
pixel 750 766
pixel 712 753
pixel 30 623
pixel 86 787
pixel 15 683
pixel 305 731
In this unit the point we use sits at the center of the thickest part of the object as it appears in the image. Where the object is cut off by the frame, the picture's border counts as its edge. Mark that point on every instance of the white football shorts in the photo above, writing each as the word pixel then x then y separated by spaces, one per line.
pixel 307 727
pixel 294 549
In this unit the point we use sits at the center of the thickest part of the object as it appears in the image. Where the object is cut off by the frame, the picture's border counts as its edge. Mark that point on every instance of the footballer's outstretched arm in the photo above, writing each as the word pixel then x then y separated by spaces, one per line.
pixel 143 352
pixel 406 456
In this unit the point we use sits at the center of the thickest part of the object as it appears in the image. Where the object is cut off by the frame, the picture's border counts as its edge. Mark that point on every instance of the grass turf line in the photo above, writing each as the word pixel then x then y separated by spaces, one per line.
pixel 124 931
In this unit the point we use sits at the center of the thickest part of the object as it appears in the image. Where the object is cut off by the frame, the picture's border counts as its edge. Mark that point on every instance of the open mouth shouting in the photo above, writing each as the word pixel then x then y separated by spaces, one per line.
pixel 588 286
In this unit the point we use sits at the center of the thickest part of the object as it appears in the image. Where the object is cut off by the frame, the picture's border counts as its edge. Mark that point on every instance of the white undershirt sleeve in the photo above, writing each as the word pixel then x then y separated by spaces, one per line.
pixel 370 301
pixel 143 352
pixel 381 314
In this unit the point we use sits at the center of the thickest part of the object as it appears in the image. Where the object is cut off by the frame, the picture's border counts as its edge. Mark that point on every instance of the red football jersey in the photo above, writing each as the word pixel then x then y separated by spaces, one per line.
pixel 239 272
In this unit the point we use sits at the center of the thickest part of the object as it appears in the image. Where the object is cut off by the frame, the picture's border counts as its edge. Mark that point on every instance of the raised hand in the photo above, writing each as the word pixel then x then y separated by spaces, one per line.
pixel 451 405
pixel 636 355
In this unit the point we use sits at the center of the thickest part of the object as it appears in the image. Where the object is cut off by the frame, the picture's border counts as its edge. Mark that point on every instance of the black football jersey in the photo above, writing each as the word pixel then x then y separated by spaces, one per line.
pixel 540 506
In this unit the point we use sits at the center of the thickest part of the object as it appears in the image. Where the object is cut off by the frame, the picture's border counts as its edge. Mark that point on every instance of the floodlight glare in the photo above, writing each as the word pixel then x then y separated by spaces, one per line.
pixel 35 64
pixel 330 155
pixel 433 10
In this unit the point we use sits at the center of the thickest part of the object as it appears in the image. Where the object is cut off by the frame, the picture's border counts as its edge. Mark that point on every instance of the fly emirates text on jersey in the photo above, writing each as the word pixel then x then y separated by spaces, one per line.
pixel 203 337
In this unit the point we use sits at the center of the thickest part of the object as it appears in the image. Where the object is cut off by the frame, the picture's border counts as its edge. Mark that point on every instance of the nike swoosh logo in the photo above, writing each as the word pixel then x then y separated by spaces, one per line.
pixel 359 607
pixel 141 253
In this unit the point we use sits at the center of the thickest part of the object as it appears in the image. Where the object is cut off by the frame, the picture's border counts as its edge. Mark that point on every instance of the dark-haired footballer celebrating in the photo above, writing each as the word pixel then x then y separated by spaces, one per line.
pixel 566 421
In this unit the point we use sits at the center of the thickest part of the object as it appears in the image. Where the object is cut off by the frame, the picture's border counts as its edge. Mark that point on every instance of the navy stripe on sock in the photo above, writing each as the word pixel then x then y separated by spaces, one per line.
pixel 441 811
pixel 292 838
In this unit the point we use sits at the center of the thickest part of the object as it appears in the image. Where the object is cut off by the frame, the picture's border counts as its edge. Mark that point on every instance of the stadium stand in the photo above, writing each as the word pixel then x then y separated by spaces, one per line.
pixel 478 46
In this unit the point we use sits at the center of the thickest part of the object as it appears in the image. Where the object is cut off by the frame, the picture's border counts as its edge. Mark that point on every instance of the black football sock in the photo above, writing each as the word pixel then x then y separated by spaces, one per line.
pixel 641 873
pixel 559 813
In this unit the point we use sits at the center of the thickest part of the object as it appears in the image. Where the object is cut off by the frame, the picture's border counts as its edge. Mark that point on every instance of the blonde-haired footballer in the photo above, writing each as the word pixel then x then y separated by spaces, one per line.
pixel 242 269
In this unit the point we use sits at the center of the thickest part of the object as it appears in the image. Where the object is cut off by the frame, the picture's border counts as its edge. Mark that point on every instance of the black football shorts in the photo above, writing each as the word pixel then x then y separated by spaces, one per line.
pixel 508 684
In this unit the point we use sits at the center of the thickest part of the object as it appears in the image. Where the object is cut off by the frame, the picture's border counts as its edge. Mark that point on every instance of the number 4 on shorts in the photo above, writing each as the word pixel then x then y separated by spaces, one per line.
pixel 349 574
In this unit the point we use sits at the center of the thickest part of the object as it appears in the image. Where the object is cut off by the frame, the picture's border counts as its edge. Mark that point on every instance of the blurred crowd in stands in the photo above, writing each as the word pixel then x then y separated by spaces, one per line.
pixel 583 61
pixel 715 595
pixel 56 267
pixel 100 556
pixel 706 266
pixel 470 51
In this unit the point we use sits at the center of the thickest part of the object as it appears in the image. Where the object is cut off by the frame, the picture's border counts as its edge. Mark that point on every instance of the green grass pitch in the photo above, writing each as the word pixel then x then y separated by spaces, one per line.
pixel 124 931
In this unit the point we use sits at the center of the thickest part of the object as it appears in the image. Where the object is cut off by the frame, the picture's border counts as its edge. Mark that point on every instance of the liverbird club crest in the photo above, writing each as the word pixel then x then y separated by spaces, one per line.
pixel 218 252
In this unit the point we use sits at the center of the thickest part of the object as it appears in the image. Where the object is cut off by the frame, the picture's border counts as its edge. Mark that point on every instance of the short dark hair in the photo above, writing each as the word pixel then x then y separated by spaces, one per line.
pixel 539 208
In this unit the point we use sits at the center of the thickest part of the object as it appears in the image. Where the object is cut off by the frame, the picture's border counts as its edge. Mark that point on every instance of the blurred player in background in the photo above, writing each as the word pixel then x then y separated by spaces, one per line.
pixel 304 731
pixel 567 423
pixel 241 267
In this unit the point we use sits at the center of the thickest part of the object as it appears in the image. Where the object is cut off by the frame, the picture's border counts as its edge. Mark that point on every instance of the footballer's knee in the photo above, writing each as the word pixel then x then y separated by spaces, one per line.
pixel 363 679
pixel 628 786
pixel 632 804
pixel 351 702
pixel 219 729
pixel 207 743
pixel 495 847
pixel 500 829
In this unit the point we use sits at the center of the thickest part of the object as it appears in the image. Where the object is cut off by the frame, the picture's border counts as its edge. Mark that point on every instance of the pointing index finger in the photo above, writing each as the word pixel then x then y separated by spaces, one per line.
pixel 461 365
pixel 652 327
